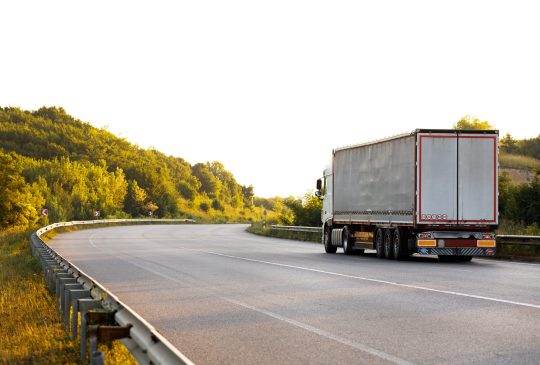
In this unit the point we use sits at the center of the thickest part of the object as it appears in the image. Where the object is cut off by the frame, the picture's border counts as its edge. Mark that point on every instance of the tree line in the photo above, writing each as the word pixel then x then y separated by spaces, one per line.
pixel 48 159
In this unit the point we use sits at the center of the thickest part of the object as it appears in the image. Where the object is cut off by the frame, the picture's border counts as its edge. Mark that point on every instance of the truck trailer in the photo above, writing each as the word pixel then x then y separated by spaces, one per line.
pixel 429 192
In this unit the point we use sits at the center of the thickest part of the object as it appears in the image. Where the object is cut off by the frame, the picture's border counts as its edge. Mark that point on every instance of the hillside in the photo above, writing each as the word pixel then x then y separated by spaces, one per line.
pixel 520 168
pixel 50 159
pixel 519 159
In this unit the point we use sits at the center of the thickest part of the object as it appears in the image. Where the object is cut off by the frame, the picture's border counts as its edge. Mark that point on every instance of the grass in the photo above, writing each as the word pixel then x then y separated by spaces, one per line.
pixel 259 229
pixel 510 227
pixel 31 331
pixel 518 161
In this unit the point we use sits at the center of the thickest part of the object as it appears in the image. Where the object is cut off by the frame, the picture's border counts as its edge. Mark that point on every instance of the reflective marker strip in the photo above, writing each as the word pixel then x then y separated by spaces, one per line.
pixel 485 243
pixel 427 243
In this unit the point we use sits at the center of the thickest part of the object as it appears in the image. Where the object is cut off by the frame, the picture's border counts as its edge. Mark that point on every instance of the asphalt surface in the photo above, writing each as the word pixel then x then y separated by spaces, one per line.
pixel 224 296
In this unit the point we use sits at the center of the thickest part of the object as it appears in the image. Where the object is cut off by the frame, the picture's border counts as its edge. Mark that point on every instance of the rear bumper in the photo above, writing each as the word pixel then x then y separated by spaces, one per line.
pixel 457 251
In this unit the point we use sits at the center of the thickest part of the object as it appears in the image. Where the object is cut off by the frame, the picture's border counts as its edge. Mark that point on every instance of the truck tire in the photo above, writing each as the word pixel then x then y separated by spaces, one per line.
pixel 389 244
pixel 347 242
pixel 400 245
pixel 328 248
pixel 379 243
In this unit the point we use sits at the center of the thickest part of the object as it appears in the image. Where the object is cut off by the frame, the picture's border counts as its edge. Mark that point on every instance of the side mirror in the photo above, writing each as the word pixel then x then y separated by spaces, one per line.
pixel 318 193
pixel 319 184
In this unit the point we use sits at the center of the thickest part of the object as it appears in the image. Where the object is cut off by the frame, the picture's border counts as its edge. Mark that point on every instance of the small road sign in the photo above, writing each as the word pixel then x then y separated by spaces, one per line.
pixel 44 212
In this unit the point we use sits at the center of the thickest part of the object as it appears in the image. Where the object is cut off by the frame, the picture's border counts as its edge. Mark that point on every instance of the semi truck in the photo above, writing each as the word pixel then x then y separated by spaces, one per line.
pixel 428 192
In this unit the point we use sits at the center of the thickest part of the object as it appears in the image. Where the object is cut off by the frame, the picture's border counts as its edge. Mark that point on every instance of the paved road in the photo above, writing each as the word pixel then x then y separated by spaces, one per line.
pixel 224 296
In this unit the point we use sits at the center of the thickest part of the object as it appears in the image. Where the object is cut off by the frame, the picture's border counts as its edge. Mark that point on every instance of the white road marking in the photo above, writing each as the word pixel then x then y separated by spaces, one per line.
pixel 536 306
pixel 320 332
pixel 497 300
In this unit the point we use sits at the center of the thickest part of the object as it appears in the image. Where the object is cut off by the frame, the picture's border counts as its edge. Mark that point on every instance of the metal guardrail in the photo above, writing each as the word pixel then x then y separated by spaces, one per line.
pixel 297 229
pixel 103 316
pixel 519 240
pixel 501 239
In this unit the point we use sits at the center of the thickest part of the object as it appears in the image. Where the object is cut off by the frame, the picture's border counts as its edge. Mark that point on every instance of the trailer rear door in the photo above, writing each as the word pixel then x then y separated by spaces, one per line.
pixel 457 178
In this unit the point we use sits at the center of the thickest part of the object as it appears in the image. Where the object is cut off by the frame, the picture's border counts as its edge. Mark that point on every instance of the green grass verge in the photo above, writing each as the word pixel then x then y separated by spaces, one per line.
pixel 31 330
pixel 259 229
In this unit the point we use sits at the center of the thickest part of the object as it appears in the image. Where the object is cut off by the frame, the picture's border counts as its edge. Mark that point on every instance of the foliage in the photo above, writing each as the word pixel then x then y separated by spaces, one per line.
pixel 527 147
pixel 19 201
pixel 520 203
pixel 470 122
pixel 306 210
pixel 50 159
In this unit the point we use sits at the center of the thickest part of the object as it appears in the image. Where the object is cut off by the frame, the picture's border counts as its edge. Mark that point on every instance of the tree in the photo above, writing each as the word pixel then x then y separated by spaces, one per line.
pixel 20 203
pixel 248 194
pixel 508 144
pixel 209 184
pixel 470 122
pixel 135 199
pixel 306 210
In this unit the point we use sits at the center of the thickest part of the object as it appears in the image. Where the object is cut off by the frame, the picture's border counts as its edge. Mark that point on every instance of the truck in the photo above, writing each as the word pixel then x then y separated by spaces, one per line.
pixel 427 192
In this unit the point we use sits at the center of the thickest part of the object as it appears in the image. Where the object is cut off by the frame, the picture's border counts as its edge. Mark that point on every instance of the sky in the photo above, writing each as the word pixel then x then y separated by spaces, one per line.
pixel 269 88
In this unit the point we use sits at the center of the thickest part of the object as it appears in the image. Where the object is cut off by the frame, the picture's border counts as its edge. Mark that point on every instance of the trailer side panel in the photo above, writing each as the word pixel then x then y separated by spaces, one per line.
pixel 376 182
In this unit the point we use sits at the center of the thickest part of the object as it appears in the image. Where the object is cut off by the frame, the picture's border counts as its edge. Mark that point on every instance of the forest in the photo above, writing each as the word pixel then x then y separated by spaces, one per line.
pixel 48 159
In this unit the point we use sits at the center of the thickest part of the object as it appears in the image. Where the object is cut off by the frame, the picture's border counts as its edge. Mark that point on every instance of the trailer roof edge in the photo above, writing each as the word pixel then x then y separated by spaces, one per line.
pixel 403 135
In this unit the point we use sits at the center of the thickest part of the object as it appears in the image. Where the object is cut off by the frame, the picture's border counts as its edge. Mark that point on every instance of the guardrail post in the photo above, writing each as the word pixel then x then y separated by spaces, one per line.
pixel 97 358
pixel 60 282
pixel 53 274
pixel 68 288
pixel 48 261
pixel 59 275
pixel 75 295
pixel 86 305
pixel 103 333
pixel 93 320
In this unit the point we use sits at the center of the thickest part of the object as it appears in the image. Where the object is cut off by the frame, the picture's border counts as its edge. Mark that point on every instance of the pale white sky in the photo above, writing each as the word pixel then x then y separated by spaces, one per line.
pixel 269 88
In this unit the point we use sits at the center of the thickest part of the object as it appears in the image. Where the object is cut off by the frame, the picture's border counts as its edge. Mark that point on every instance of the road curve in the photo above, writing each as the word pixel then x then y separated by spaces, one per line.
pixel 224 296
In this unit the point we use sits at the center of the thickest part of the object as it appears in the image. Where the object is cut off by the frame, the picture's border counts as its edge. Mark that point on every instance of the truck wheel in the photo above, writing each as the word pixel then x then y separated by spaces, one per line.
pixel 379 243
pixel 328 248
pixel 388 244
pixel 347 242
pixel 400 245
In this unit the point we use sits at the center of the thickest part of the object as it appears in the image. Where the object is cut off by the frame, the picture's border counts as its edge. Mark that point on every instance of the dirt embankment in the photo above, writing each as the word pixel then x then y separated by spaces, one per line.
pixel 518 176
